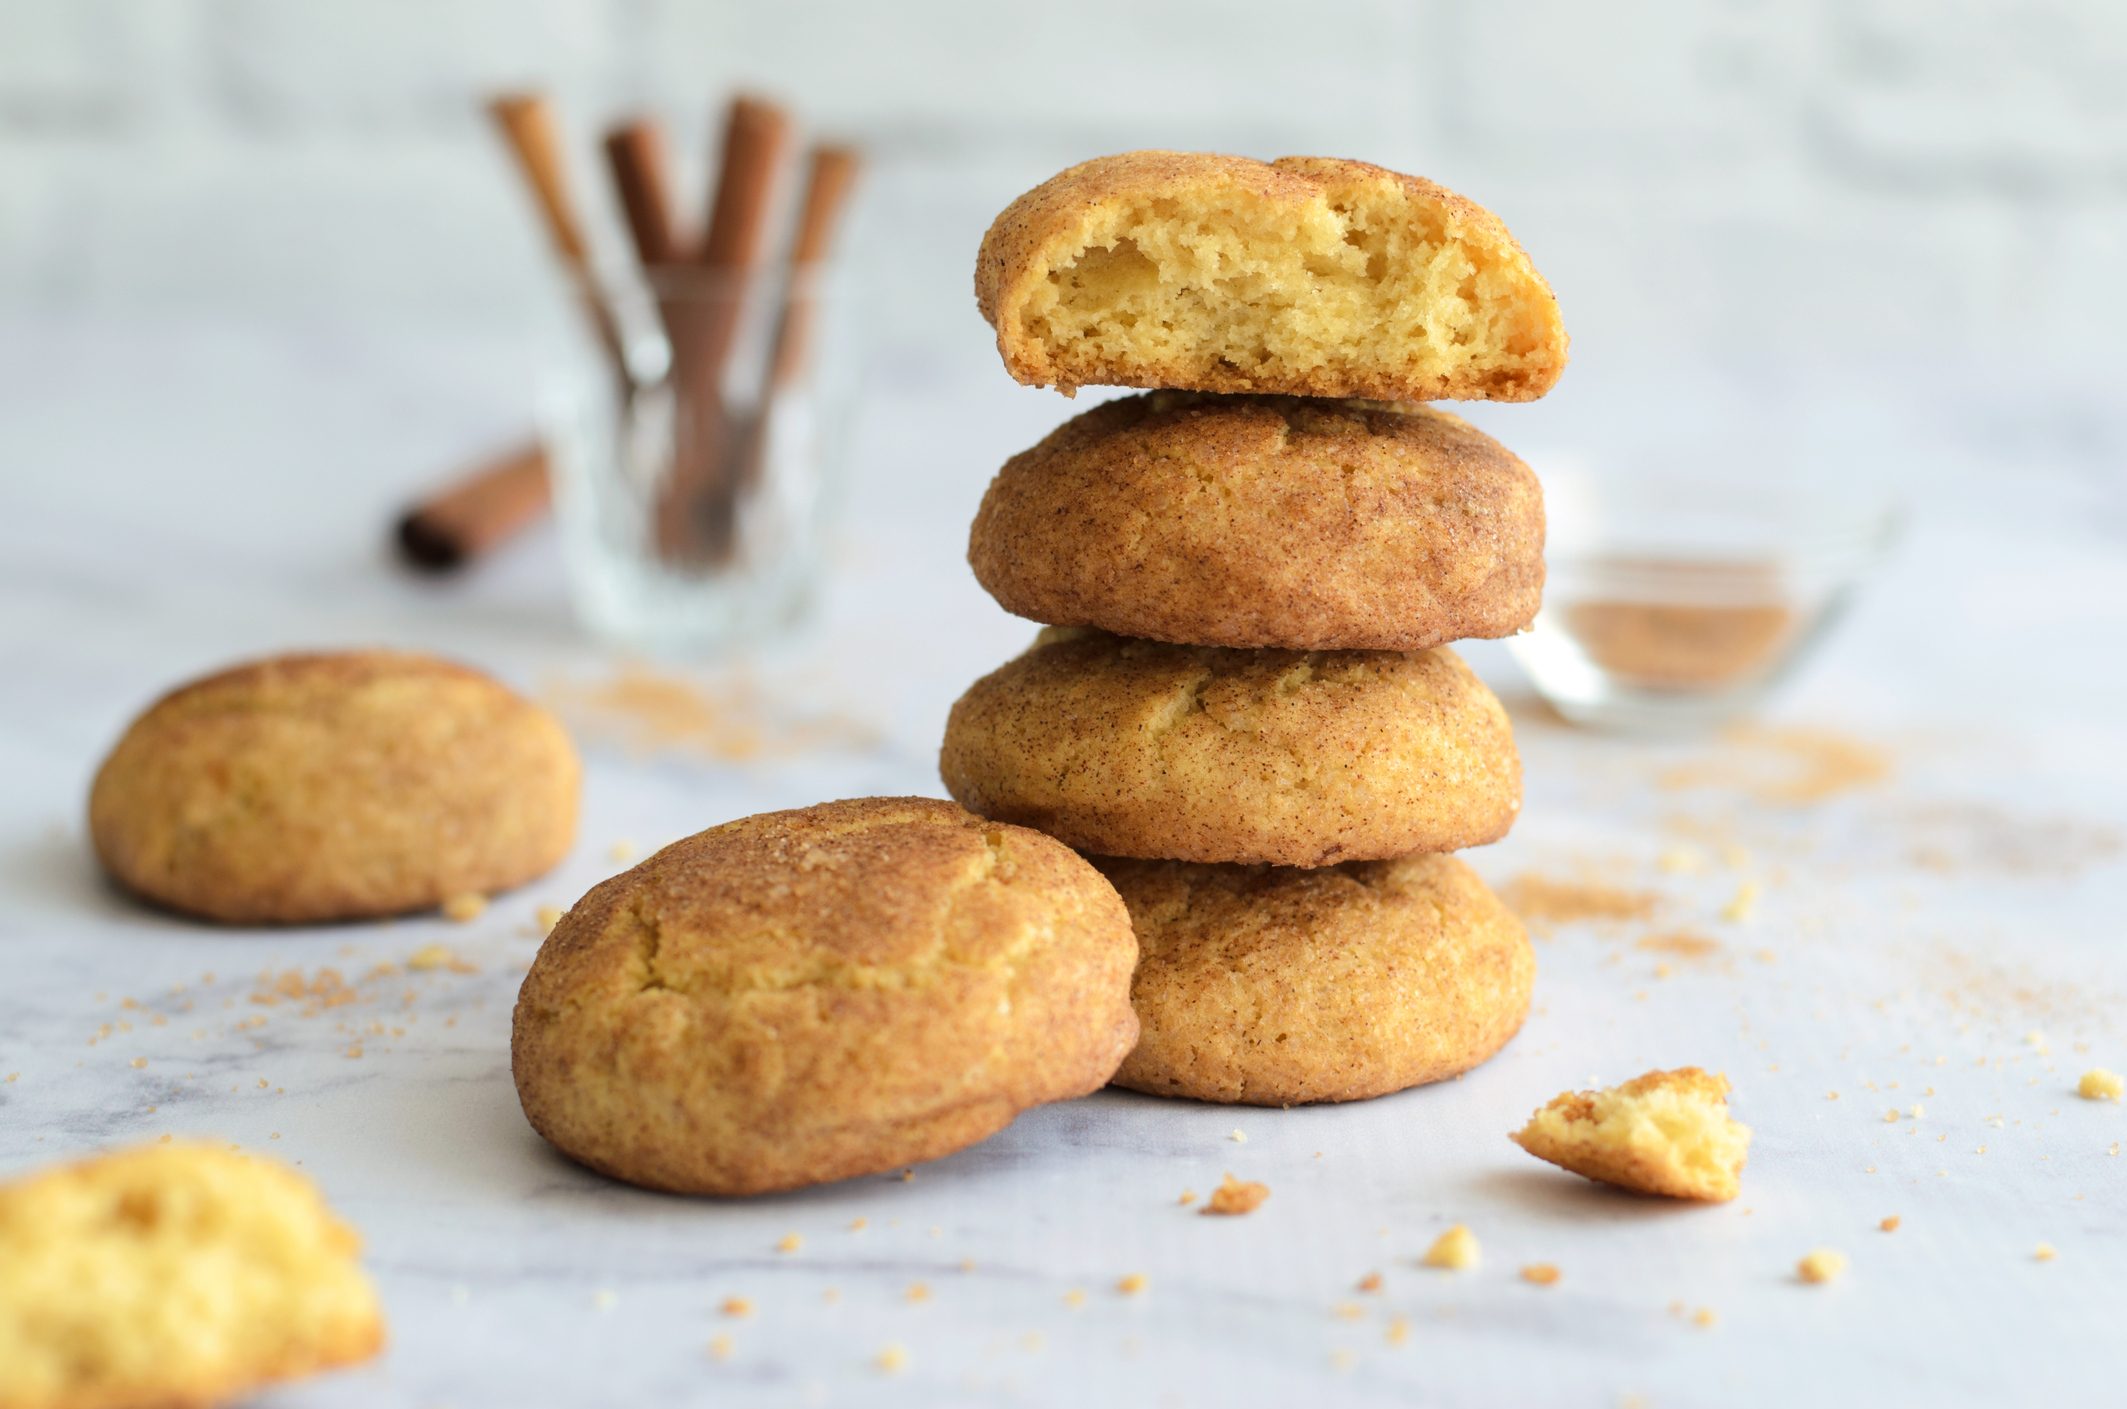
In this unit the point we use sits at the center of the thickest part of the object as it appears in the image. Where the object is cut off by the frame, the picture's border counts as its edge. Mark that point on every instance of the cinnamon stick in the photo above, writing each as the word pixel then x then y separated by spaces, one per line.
pixel 831 172
pixel 526 121
pixel 635 152
pixel 756 137
pixel 474 514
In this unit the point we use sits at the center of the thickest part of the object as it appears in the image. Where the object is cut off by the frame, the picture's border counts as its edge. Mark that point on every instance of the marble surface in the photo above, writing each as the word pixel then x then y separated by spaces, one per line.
pixel 1947 937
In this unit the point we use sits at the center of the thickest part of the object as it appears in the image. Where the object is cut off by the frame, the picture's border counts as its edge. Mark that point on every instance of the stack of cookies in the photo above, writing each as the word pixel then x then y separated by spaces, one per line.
pixel 1244 708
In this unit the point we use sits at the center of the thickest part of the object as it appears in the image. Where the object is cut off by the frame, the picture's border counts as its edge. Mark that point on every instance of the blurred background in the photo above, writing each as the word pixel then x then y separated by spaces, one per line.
pixel 1816 193
pixel 1879 236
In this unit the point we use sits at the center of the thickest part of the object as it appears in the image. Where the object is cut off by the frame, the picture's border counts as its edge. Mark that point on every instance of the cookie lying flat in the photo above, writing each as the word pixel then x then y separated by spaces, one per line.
pixel 1266 521
pixel 173 1275
pixel 1668 1132
pixel 806 996
pixel 1308 276
pixel 1272 986
pixel 335 786
pixel 1197 753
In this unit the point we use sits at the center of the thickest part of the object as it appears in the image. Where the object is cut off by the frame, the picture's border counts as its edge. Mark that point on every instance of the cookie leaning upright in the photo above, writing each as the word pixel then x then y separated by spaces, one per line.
pixel 1307 275
pixel 807 996
pixel 334 786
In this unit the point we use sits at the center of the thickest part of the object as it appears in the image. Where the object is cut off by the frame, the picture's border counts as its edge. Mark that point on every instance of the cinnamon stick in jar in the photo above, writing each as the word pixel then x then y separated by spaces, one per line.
pixel 757 136
pixel 831 173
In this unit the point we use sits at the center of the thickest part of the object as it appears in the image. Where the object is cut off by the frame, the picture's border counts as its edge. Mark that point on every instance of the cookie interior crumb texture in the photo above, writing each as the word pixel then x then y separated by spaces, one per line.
pixel 1667 1132
pixel 1307 275
pixel 174 1274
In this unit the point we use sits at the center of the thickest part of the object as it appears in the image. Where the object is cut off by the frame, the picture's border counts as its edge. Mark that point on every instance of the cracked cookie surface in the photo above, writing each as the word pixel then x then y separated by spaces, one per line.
pixel 805 996
pixel 334 786
pixel 1265 985
pixel 1266 521
pixel 1126 747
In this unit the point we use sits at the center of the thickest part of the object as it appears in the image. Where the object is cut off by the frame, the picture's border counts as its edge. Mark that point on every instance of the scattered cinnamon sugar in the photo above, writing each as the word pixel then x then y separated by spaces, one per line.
pixel 1542 1274
pixel 1542 901
pixel 1683 944
pixel 732 719
pixel 1966 838
pixel 1234 1197
pixel 1788 766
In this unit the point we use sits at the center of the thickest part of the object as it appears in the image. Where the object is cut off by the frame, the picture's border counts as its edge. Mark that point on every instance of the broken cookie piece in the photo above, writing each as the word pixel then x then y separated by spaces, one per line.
pixel 1667 1133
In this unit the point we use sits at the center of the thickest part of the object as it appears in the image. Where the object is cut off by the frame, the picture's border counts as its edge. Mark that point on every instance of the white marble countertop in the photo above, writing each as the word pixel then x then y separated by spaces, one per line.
pixel 176 496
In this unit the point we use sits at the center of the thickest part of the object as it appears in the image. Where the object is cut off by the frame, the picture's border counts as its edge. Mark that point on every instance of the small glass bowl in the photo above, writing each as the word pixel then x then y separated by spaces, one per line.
pixel 1675 603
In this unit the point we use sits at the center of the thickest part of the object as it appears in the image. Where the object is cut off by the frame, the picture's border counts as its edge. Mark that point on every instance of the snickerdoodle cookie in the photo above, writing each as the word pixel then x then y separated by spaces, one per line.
pixel 1266 521
pixel 1307 275
pixel 1272 986
pixel 805 996
pixel 1667 1133
pixel 179 1274
pixel 334 786
pixel 1201 753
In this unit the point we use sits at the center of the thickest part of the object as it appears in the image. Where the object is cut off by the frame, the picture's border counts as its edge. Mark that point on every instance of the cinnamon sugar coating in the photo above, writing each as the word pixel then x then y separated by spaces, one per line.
pixel 806 996
pixel 1266 521
pixel 1125 747
pixel 1271 986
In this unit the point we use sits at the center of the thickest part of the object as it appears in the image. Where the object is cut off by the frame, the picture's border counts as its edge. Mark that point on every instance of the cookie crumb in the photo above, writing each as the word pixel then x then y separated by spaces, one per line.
pixel 1744 905
pixel 892 1359
pixel 138 1062
pixel 1398 1330
pixel 605 1299
pixel 1542 1274
pixel 1890 1224
pixel 857 1225
pixel 622 850
pixel 1075 1297
pixel 2044 1253
pixel 1348 1311
pixel 1234 1197
pixel 548 917
pixel 1188 1197
pixel 1823 1265
pixel 790 1242
pixel 464 907
pixel 1456 1250
pixel 1131 1284
pixel 1371 1282
pixel 917 1292
pixel 430 957
pixel 720 1347
pixel 1704 1318
pixel 1239 1136
pixel 737 1306
pixel 2099 1084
